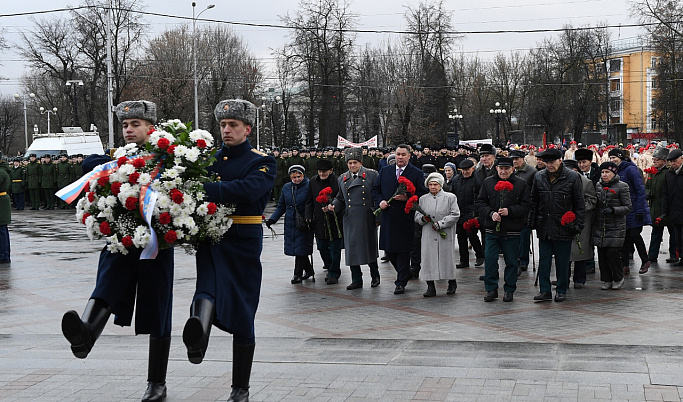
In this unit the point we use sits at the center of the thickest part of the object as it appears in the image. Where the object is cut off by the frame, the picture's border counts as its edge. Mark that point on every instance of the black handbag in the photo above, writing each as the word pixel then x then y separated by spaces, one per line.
pixel 299 218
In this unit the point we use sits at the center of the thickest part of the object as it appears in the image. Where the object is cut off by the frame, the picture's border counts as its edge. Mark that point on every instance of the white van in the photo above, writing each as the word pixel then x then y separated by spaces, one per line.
pixel 72 141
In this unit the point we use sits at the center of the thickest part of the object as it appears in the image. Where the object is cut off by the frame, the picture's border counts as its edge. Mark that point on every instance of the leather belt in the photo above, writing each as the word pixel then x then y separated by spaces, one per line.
pixel 17 181
pixel 246 220
pixel 3 193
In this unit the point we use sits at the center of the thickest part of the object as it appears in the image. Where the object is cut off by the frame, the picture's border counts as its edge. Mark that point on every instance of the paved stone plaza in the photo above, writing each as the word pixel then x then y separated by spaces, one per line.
pixel 318 342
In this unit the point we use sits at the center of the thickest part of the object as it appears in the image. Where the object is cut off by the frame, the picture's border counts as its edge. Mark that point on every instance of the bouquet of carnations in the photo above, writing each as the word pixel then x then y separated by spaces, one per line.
pixel 413 205
pixel 152 196
pixel 325 198
pixel 471 225
pixel 503 187
pixel 568 220
pixel 405 186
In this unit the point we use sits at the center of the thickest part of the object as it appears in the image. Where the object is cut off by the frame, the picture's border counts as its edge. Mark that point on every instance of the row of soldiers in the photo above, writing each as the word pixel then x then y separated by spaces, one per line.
pixel 35 180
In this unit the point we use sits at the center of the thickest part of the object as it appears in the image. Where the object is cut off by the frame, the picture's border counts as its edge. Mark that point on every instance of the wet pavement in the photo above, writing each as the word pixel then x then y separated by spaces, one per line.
pixel 318 342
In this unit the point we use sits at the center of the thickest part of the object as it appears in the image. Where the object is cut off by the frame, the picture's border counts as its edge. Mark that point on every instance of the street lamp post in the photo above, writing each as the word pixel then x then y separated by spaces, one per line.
pixel 20 98
pixel 194 60
pixel 273 101
pixel 44 111
pixel 74 106
pixel 456 120
pixel 497 113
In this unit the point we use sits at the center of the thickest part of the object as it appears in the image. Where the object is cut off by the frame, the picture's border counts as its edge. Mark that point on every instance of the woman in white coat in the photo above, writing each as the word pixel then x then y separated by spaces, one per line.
pixel 438 252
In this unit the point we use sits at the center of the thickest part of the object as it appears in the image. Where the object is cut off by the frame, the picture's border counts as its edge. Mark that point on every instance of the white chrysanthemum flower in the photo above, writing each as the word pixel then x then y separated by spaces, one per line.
pixel 141 237
pixel 157 185
pixel 145 179
pixel 111 201
pixel 102 203
pixel 179 168
pixel 169 174
pixel 180 150
pixel 126 169
pixel 164 201
pixel 176 210
pixel 192 154
pixel 203 209
pixel 169 185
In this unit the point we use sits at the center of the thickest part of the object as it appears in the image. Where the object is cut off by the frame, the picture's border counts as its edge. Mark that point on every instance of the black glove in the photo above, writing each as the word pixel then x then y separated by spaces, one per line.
pixel 608 211
pixel 269 222
pixel 640 217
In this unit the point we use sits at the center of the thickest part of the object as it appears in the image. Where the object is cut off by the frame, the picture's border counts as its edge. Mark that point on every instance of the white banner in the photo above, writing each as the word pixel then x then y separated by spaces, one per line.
pixel 343 142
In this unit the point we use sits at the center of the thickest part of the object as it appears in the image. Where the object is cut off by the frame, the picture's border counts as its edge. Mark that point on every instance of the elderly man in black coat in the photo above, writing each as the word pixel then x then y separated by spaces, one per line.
pixel 555 192
pixel 397 227
pixel 672 202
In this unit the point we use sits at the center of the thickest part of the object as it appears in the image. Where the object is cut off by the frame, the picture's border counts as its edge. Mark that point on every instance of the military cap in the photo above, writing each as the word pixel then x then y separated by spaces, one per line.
pixel 674 154
pixel 140 109
pixel 33 155
pixel 237 109
pixel 583 154
pixel 515 153
pixel 353 154
pixel 660 153
pixel 466 163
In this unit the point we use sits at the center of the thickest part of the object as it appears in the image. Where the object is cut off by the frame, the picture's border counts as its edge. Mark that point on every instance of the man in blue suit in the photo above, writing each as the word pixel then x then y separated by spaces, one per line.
pixel 397 227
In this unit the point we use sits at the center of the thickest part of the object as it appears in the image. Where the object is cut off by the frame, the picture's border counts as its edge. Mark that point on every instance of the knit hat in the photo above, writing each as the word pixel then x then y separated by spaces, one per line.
pixel 619 153
pixel 355 154
pixel 451 165
pixel 237 109
pixel 140 109
pixel 296 169
pixel 611 166
pixel 437 177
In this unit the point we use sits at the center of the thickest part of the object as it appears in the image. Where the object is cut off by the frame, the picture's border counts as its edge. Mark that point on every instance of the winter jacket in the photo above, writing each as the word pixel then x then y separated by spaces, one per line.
pixel 609 230
pixel 516 201
pixel 323 226
pixel 640 212
pixel 527 174
pixel 672 201
pixel 466 190
pixel 550 201
pixel 297 242
pixel 654 185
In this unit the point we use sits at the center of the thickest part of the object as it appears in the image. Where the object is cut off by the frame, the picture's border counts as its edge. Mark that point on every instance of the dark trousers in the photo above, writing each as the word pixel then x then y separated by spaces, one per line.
pixel 35 197
pixel 509 245
pixel 656 241
pixel 524 246
pixel 18 200
pixel 579 271
pixel 678 234
pixel 463 236
pixel 401 263
pixel 633 237
pixel 611 269
pixel 49 196
pixel 330 253
pixel 357 274
pixel 4 244
pixel 416 250
pixel 561 249
pixel 302 264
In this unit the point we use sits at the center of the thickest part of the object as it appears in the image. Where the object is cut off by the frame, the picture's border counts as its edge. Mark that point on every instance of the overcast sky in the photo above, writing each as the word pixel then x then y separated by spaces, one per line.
pixel 468 15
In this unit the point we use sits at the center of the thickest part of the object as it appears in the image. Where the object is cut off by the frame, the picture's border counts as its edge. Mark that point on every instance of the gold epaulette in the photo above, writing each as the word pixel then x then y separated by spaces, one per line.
pixel 256 151
pixel 111 152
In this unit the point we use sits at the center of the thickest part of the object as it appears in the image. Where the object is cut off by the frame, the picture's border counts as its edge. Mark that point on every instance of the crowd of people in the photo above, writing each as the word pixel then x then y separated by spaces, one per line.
pixel 432 208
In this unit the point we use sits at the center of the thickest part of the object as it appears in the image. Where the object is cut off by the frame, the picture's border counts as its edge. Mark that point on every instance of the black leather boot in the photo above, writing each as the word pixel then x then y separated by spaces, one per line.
pixel 82 332
pixel 197 329
pixel 242 358
pixel 431 289
pixel 156 371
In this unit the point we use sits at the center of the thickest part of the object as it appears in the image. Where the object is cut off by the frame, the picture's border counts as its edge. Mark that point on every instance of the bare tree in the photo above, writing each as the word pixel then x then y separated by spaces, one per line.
pixel 11 124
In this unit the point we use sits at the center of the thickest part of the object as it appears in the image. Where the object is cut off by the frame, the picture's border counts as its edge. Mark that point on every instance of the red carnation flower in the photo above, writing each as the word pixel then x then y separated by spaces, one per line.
pixel 85 216
pixel 409 204
pixel 127 241
pixel 176 196
pixel 503 185
pixel 605 189
pixel 658 221
pixel 151 130
pixel 91 197
pixel 568 217
pixel 171 149
pixel 121 161
pixel 201 143
pixel 410 187
pixel 133 178
pixel 163 143
pixel 322 199
pixel 132 203
pixel 116 188
pixel 102 181
pixel 171 236
pixel 138 163
pixel 212 208
pixel 165 218
pixel 105 228
pixel 326 191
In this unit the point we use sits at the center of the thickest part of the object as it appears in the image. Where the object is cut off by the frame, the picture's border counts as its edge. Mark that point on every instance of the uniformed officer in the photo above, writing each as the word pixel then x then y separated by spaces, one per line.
pixel 33 178
pixel 18 184
pixel 64 176
pixel 119 276
pixel 47 182
pixel 229 273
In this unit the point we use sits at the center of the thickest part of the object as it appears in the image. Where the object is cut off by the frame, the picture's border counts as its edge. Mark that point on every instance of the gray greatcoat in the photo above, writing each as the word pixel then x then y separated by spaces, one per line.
pixel 438 255
pixel 360 231
pixel 591 199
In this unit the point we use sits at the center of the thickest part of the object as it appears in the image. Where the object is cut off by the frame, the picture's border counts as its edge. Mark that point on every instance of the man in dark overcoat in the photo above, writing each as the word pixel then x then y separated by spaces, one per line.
pixel 653 190
pixel 360 231
pixel 33 180
pixel 672 202
pixel 18 184
pixel 397 227
pixel 125 281
pixel 229 273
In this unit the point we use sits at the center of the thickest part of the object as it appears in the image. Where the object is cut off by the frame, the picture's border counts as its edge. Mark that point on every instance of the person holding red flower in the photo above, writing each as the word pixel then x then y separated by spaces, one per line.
pixel 397 227
pixel 555 191
pixel 124 281
pixel 654 188
pixel 503 204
